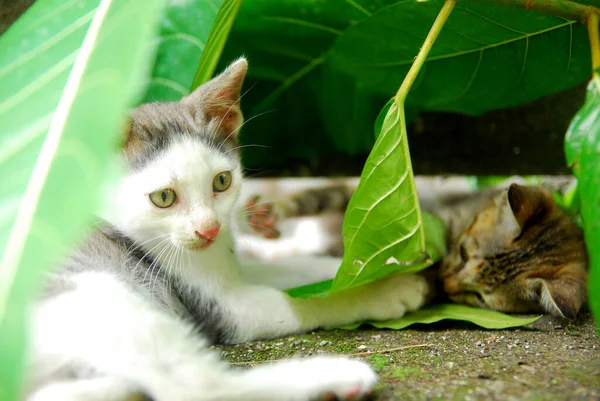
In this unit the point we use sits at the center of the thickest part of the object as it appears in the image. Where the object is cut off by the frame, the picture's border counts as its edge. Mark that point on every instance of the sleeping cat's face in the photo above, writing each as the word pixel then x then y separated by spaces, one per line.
pixel 184 171
pixel 520 254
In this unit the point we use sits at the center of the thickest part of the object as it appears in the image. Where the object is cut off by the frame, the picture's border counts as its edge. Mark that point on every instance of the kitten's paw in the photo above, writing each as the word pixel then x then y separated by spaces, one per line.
pixel 329 378
pixel 263 217
pixel 391 298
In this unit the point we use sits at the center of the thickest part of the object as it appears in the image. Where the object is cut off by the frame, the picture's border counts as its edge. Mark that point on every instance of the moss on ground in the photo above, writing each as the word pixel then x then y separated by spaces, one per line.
pixel 548 360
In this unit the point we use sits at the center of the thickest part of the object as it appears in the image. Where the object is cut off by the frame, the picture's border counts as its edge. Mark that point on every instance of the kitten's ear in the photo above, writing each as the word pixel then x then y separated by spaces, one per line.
pixel 218 100
pixel 527 203
pixel 562 296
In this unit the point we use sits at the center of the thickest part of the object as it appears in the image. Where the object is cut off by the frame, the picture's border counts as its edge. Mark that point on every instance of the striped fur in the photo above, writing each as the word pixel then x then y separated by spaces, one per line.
pixel 512 250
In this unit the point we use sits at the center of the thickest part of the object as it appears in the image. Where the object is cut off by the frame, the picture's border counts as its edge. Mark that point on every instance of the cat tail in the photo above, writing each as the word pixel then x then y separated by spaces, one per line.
pixel 315 201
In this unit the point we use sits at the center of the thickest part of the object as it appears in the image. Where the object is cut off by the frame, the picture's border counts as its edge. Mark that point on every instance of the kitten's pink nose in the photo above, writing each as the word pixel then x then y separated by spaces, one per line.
pixel 209 233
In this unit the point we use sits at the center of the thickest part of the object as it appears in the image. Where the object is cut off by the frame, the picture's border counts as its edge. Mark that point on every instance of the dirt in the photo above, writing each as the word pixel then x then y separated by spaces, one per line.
pixel 548 360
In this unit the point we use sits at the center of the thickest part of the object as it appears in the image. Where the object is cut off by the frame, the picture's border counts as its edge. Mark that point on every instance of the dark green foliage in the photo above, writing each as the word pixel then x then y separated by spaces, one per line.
pixel 325 69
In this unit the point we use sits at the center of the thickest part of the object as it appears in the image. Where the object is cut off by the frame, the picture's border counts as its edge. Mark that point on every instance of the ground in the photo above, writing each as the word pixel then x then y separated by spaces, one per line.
pixel 547 360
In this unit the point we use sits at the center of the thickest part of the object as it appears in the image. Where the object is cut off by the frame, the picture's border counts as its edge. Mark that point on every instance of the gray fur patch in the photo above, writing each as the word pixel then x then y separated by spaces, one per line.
pixel 110 251
pixel 155 126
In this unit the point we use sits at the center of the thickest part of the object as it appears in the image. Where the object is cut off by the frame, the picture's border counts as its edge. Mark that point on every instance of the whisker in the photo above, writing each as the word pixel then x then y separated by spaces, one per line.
pixel 241 125
pixel 177 263
pixel 136 244
pixel 154 261
pixel 166 264
pixel 249 145
pixel 230 107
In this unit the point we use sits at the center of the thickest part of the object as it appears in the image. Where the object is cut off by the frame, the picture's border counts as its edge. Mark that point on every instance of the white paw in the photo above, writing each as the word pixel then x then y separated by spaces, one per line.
pixel 391 298
pixel 327 377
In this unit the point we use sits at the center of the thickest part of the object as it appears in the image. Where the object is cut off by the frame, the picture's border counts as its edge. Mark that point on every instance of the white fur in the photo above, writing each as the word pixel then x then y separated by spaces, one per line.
pixel 133 344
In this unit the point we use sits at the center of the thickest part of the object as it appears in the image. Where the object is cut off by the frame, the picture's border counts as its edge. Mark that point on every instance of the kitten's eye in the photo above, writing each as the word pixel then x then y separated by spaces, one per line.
pixel 163 198
pixel 222 181
pixel 464 256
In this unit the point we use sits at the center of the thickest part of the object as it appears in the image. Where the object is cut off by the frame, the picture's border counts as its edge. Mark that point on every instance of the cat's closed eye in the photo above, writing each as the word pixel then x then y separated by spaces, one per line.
pixel 163 198
pixel 222 181
pixel 464 256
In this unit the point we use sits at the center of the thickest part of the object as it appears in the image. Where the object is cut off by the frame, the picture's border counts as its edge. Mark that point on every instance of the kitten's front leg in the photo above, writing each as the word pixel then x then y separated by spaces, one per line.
pixel 132 346
pixel 264 312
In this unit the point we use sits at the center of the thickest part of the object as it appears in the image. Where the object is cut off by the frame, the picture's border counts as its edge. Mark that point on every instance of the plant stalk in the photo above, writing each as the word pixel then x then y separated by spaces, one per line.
pixel 411 76
pixel 560 8
pixel 216 42
pixel 592 24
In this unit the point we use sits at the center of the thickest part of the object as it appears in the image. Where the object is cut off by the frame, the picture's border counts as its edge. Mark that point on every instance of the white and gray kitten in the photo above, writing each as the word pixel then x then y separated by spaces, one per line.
pixel 134 308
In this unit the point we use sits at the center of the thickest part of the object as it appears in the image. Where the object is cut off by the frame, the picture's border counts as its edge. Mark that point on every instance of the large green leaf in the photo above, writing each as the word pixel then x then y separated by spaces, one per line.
pixel 582 147
pixel 216 41
pixel 330 66
pixel 486 57
pixel 435 247
pixel 184 30
pixel 434 313
pixel 67 72
pixel 383 219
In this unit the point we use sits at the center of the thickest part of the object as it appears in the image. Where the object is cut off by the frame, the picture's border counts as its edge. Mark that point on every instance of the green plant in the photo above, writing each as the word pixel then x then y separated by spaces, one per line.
pixel 325 72
pixel 64 91
pixel 582 148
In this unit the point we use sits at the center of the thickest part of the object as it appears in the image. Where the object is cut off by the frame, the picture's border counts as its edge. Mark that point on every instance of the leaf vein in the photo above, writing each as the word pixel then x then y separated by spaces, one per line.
pixel 186 37
pixel 399 240
pixel 358 7
pixel 465 52
pixel 23 58
pixel 307 24
pixel 38 83
pixel 169 83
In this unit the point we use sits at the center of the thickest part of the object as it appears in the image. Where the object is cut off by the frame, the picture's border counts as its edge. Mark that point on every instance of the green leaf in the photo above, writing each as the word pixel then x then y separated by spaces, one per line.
pixel 491 180
pixel 579 129
pixel 216 41
pixel 184 31
pixel 329 67
pixel 68 70
pixel 381 116
pixel 434 313
pixel 487 56
pixel 383 228
pixel 435 236
pixel 384 231
pixel 435 245
pixel 320 289
pixel 582 147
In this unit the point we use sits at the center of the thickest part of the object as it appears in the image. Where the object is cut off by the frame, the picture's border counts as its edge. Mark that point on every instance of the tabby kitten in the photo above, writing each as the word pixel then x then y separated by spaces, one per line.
pixel 133 309
pixel 511 250
pixel 521 253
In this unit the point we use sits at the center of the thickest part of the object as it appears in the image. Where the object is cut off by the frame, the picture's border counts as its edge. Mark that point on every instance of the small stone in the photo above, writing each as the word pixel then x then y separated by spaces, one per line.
pixel 361 347
pixel 324 343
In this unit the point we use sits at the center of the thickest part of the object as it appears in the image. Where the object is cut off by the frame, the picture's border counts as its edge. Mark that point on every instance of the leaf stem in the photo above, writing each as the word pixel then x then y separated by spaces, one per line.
pixel 592 24
pixel 216 41
pixel 411 76
pixel 560 8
